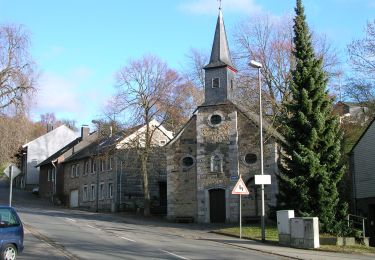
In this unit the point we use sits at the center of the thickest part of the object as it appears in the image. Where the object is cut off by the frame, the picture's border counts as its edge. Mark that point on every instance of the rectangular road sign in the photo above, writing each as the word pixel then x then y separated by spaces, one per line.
pixel 262 179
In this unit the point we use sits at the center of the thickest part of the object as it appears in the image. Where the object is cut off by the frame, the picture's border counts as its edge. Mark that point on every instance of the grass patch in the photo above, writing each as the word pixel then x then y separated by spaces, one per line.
pixel 252 232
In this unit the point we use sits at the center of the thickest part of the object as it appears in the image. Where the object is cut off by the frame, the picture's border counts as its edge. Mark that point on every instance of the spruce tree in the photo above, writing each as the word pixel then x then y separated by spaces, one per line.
pixel 310 167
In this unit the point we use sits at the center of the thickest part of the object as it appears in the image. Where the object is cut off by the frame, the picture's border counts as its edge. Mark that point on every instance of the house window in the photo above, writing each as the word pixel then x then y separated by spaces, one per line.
pixel 77 170
pixel 216 163
pixel 162 142
pixel 101 191
pixel 49 174
pixel 85 193
pixel 72 171
pixel 93 194
pixel 215 83
pixel 86 170
pixel 93 165
pixel 110 163
pixel 110 190
pixel 102 165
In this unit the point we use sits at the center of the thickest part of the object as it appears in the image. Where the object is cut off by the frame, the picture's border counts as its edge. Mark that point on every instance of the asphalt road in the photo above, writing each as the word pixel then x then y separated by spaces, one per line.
pixel 58 233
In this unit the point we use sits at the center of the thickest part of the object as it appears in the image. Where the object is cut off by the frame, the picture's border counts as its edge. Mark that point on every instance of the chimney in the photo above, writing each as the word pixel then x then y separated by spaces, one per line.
pixel 85 131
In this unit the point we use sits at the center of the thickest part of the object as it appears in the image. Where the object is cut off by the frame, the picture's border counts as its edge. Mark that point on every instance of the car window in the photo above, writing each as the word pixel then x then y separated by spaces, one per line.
pixel 8 218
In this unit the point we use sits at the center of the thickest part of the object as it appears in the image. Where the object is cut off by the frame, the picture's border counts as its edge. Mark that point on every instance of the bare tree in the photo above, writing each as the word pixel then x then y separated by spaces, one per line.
pixel 361 86
pixel 17 70
pixel 269 41
pixel 146 90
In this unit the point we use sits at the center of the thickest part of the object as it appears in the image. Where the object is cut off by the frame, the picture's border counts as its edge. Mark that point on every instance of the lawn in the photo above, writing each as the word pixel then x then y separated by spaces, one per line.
pixel 253 232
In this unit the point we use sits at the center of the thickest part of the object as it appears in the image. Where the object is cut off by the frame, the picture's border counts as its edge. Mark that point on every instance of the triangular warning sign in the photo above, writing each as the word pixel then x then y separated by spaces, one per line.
pixel 240 188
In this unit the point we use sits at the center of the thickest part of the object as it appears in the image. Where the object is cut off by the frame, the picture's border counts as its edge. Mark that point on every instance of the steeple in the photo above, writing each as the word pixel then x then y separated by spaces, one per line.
pixel 220 72
pixel 220 55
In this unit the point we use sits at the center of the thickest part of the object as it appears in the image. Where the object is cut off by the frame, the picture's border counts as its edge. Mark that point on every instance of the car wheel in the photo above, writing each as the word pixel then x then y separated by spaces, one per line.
pixel 9 252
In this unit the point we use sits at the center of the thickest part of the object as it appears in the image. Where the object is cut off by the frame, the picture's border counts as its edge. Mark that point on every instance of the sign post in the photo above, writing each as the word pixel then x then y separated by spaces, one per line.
pixel 263 180
pixel 12 172
pixel 240 189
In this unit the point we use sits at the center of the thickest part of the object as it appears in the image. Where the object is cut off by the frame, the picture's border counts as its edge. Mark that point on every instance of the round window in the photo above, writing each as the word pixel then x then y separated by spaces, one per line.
pixel 215 119
pixel 187 161
pixel 250 158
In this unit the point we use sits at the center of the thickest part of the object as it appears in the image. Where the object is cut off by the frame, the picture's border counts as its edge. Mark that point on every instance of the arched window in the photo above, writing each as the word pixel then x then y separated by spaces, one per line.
pixel 216 163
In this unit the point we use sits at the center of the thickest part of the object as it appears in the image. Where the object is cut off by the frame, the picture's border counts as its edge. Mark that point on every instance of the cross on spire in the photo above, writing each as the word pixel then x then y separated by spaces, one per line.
pixel 219 4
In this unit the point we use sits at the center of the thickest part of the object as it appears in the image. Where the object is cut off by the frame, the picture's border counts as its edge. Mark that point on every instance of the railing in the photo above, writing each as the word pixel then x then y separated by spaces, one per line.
pixel 356 221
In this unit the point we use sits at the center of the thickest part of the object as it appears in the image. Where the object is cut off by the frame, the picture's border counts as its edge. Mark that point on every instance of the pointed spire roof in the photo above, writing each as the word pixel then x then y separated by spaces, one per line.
pixel 220 55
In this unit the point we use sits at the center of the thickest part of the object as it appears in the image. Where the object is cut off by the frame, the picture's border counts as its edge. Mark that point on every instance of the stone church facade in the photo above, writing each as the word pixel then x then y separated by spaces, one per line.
pixel 219 143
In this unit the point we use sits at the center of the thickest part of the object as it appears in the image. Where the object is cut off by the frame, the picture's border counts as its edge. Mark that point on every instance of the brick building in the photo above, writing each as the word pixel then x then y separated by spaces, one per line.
pixel 219 142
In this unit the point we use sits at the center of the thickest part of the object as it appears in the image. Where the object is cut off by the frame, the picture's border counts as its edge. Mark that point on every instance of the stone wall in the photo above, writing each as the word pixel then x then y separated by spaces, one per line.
pixel 181 181
pixel 219 152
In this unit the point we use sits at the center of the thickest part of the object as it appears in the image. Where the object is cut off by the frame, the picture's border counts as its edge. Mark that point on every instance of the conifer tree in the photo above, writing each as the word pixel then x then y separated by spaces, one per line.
pixel 310 166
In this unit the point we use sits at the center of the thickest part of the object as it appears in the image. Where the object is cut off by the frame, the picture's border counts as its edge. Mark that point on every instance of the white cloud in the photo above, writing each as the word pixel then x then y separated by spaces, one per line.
pixel 209 6
pixel 57 93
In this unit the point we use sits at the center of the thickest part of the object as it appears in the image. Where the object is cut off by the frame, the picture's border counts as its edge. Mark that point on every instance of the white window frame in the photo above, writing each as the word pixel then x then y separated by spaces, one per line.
pixel 85 193
pixel 102 165
pixel 110 190
pixel 93 192
pixel 110 162
pixel 93 165
pixel 101 191
pixel 77 170
pixel 72 170
pixel 86 168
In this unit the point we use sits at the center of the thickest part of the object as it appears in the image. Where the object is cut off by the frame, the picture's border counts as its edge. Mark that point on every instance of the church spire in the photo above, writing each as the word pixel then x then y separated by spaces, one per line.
pixel 220 55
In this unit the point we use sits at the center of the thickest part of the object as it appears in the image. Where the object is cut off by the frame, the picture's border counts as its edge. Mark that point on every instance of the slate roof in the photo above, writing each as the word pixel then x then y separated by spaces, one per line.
pixel 220 54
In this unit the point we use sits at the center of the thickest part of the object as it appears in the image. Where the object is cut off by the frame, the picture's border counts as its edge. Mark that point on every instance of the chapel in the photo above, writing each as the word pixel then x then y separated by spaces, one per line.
pixel 219 143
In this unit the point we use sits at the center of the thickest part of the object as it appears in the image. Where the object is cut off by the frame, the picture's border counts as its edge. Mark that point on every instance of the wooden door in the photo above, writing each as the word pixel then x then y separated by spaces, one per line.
pixel 217 206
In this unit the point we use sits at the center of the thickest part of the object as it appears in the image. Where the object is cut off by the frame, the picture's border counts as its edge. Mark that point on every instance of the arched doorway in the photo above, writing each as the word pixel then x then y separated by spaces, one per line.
pixel 217 206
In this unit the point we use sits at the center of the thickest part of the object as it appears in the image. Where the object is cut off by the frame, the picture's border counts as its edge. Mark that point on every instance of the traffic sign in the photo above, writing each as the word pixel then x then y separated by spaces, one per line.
pixel 262 179
pixel 240 188
pixel 12 169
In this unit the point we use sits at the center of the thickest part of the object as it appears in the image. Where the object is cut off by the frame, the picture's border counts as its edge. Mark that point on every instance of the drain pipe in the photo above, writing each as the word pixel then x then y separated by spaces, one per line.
pixel 55 179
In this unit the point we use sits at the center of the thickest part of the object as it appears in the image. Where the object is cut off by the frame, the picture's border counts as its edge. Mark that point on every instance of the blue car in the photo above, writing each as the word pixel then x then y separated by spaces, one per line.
pixel 11 233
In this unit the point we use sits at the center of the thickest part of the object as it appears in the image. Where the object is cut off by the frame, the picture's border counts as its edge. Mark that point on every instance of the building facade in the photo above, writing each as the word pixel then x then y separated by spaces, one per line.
pixel 106 175
pixel 362 169
pixel 218 144
pixel 36 151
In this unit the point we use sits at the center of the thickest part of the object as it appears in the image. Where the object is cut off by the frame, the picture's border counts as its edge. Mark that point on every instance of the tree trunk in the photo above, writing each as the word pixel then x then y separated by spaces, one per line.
pixel 146 190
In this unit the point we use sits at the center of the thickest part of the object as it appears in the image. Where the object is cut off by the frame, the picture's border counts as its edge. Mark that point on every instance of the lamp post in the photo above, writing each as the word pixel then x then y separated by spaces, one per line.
pixel 258 65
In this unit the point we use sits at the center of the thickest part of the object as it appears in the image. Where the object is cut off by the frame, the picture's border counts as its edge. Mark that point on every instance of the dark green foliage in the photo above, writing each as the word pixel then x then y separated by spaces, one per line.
pixel 310 163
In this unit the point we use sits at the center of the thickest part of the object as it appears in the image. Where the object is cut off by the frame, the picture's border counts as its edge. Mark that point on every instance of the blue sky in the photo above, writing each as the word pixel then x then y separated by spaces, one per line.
pixel 80 44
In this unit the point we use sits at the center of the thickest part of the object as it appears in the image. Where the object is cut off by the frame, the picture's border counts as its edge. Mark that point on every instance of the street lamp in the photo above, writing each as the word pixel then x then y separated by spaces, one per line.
pixel 258 65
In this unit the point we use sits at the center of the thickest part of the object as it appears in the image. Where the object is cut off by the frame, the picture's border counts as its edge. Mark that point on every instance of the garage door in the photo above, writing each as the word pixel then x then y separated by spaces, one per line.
pixel 74 198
